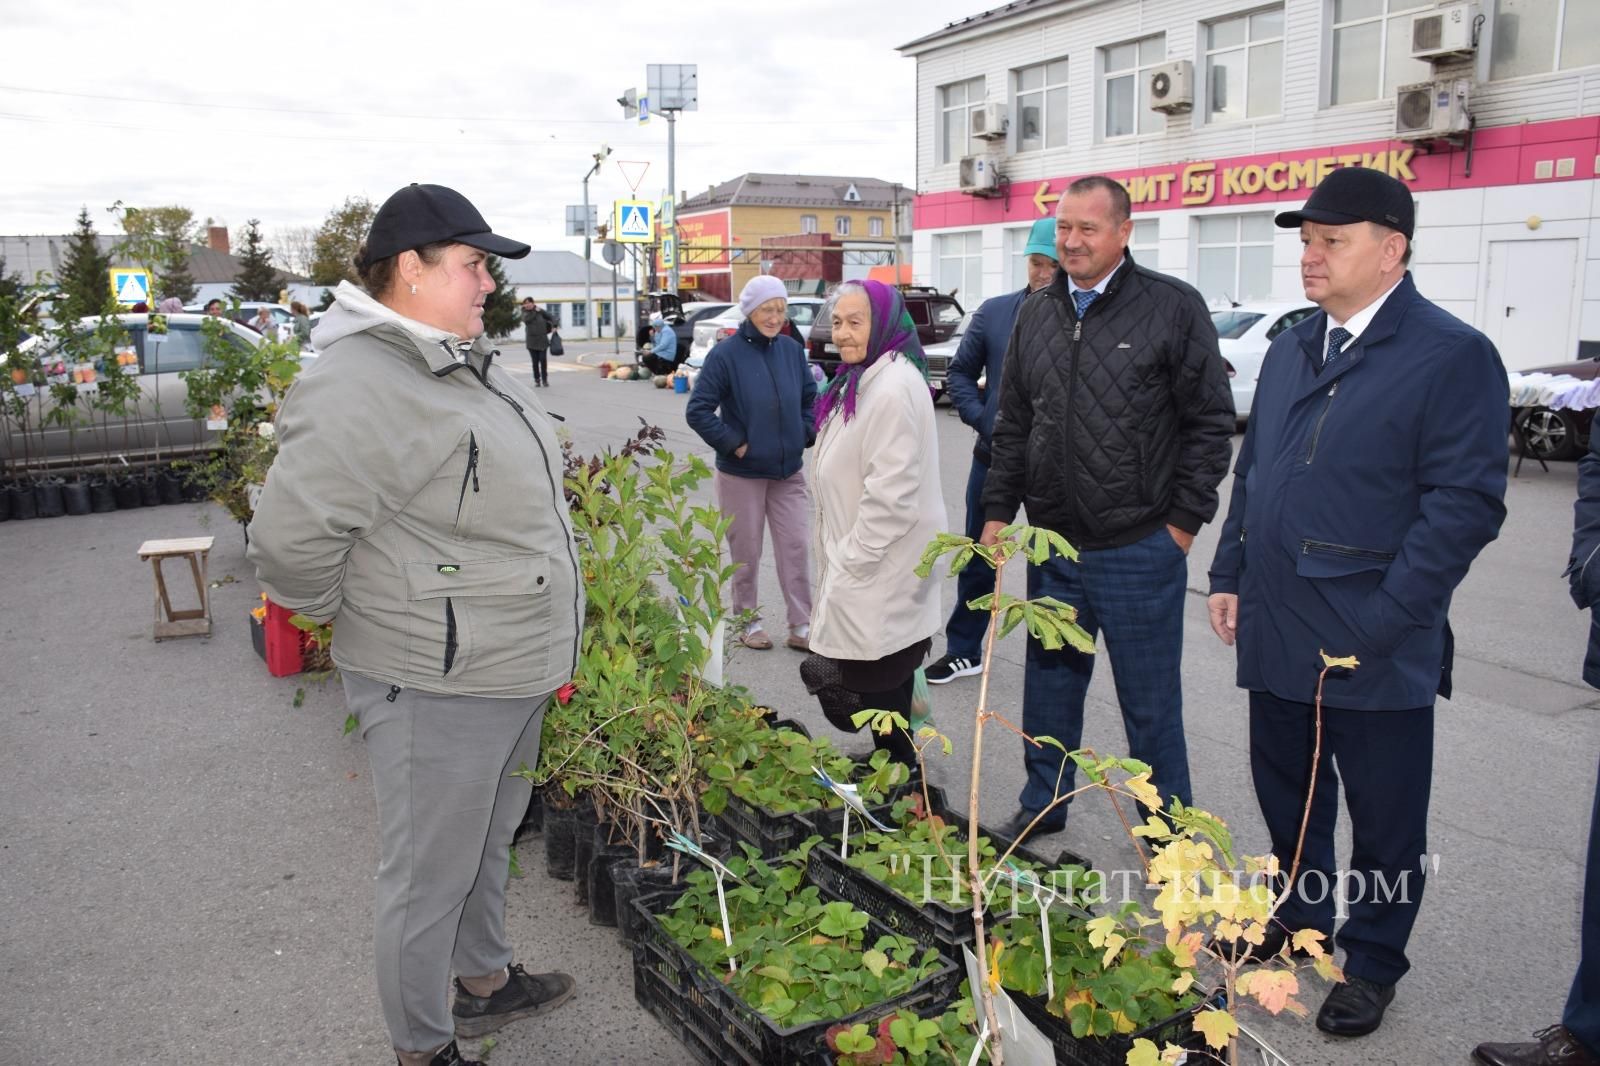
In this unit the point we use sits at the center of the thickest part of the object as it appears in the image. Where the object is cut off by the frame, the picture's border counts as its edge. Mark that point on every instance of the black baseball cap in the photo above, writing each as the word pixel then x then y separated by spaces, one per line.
pixel 1357 194
pixel 422 214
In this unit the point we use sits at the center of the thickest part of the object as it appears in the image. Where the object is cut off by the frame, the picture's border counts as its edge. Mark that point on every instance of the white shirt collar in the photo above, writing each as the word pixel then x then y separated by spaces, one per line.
pixel 1363 318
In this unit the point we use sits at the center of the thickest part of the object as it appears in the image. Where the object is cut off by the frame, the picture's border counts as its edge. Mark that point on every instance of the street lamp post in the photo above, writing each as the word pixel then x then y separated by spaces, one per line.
pixel 588 279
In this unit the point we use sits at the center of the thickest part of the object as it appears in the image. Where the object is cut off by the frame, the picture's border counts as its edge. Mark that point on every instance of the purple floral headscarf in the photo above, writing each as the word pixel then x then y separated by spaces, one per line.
pixel 893 333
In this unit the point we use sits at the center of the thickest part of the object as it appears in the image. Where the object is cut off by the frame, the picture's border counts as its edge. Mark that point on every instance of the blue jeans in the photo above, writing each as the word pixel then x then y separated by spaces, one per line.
pixel 1582 1015
pixel 1134 594
pixel 963 635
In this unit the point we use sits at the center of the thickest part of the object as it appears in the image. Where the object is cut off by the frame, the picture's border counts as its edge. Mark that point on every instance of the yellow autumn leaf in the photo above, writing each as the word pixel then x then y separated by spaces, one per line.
pixel 1309 942
pixel 1328 970
pixel 1152 827
pixel 1143 1053
pixel 1113 945
pixel 994 966
pixel 1143 791
pixel 1349 662
pixel 1182 984
pixel 1075 997
pixel 716 934
pixel 1099 929
pixel 1270 988
pixel 1229 931
pixel 1255 933
pixel 1121 1023
pixel 1184 947
pixel 1217 1026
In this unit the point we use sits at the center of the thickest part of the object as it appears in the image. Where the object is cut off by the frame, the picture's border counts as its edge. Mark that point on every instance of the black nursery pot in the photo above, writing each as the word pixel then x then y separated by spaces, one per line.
pixel 126 490
pixel 149 490
pixel 602 887
pixel 630 881
pixel 5 503
pixel 583 849
pixel 75 497
pixel 102 496
pixel 194 490
pixel 47 499
pixel 23 504
pixel 558 842
pixel 170 487
pixel 533 818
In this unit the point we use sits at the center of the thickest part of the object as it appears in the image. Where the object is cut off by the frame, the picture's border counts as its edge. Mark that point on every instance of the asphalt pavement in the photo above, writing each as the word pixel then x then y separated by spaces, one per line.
pixel 186 857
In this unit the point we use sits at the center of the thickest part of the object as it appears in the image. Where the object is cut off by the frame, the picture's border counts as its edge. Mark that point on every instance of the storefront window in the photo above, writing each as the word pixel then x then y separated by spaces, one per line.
pixel 1127 68
pixel 1233 257
pixel 960 264
pixel 1538 36
pixel 1372 49
pixel 1244 66
pixel 1041 112
pixel 955 102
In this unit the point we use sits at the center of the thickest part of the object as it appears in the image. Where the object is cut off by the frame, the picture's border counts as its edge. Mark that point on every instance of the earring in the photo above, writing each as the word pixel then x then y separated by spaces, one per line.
pixel 413 290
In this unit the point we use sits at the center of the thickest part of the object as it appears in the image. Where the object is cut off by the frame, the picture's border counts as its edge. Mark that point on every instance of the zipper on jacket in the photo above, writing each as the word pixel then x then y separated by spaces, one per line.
pixel 1072 392
pixel 471 473
pixel 777 398
pixel 449 634
pixel 559 502
pixel 1316 434
pixel 394 693
pixel 1308 546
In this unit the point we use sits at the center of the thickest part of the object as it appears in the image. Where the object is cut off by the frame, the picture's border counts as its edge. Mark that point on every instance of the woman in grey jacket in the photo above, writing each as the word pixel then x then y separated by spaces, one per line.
pixel 416 502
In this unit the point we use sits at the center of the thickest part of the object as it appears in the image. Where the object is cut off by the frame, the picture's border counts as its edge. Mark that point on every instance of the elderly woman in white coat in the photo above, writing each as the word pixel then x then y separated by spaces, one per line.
pixel 876 481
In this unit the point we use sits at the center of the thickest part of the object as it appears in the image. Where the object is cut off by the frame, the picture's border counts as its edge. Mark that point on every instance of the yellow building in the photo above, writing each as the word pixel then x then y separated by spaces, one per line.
pixel 810 230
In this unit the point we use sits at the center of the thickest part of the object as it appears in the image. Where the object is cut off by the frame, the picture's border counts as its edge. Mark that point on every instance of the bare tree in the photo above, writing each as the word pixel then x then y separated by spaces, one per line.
pixel 294 248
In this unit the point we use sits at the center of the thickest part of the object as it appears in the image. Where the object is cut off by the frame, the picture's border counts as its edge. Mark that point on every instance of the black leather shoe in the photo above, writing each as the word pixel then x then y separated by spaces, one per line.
pixel 449 1055
pixel 1556 1047
pixel 1012 827
pixel 1355 1007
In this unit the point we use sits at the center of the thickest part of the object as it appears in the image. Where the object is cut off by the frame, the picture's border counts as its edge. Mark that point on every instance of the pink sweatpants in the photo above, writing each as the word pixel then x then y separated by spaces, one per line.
pixel 755 503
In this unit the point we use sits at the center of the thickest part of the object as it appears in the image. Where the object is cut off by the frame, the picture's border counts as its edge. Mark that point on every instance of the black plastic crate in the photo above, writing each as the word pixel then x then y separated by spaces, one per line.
pixel 715 1019
pixel 774 834
pixel 937 922
pixel 1113 1050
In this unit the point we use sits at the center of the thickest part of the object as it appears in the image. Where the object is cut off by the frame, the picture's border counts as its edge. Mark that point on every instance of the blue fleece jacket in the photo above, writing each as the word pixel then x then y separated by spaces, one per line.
pixel 759 392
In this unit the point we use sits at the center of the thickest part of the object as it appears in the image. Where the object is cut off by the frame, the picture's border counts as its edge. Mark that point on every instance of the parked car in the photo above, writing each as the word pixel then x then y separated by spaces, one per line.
pixel 282 317
pixel 1553 434
pixel 803 312
pixel 942 354
pixel 1244 333
pixel 937 317
pixel 159 423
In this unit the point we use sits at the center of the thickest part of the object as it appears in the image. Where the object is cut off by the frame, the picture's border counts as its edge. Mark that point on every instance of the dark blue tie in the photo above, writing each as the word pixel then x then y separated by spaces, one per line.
pixel 1336 338
pixel 1084 297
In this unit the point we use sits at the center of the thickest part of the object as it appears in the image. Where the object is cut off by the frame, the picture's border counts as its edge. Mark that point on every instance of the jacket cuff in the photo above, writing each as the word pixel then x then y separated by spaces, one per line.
pixel 1228 583
pixel 999 514
pixel 1187 521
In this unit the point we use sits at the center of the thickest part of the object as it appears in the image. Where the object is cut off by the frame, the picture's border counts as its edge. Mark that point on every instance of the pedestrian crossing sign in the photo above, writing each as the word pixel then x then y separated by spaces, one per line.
pixel 130 285
pixel 633 222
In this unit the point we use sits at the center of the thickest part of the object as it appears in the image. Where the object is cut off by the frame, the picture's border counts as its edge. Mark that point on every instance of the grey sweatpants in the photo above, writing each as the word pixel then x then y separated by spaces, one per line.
pixel 447 810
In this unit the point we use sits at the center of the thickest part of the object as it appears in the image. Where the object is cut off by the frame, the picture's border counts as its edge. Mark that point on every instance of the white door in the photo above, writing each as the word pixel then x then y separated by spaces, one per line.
pixel 1532 294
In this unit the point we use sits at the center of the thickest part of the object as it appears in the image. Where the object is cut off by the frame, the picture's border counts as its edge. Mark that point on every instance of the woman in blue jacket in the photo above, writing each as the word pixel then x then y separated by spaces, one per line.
pixel 752 404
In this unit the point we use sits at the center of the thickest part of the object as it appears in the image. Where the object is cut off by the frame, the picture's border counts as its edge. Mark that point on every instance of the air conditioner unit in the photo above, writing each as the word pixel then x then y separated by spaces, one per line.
pixel 988 121
pixel 1431 109
pixel 1444 33
pixel 1170 88
pixel 978 175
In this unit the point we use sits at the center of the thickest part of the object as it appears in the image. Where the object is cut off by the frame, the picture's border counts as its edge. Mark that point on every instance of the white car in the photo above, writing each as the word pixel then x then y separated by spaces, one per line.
pixel 942 354
pixel 707 332
pixel 1243 334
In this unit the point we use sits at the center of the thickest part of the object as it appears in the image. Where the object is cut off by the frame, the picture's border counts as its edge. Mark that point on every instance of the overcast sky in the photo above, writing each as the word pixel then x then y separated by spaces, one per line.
pixel 279 112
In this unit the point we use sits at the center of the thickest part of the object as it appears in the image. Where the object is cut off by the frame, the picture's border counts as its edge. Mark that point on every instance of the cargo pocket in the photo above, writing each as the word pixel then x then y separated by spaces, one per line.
pixel 478 614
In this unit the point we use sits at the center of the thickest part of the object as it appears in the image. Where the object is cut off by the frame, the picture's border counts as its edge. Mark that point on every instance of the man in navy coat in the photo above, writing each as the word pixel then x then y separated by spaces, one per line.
pixel 1576 1040
pixel 982 350
pixel 1372 473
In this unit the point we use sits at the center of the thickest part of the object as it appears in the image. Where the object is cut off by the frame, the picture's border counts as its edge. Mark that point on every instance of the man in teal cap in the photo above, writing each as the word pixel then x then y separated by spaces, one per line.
pixel 982 350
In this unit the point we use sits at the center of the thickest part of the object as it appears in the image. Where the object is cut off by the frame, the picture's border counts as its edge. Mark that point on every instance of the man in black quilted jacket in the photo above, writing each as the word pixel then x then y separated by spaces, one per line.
pixel 1114 429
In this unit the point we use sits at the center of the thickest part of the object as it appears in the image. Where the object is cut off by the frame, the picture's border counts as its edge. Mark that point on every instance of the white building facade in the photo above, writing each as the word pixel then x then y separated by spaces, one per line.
pixel 1496 129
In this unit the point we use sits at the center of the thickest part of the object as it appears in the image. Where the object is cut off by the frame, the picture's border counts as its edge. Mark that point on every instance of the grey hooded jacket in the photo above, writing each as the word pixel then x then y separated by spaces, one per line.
pixel 416 501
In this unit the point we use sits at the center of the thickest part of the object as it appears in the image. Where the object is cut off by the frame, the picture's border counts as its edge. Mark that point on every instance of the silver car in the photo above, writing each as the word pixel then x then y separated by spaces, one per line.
pixel 158 425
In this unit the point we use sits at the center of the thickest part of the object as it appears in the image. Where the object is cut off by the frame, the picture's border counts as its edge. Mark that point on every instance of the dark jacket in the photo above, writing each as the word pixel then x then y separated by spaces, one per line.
pixel 755 391
pixel 981 351
pixel 536 326
pixel 1360 497
pixel 1111 427
pixel 1583 569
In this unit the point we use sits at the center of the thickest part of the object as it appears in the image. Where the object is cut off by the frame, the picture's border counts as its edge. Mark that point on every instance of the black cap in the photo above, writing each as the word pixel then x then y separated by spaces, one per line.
pixel 422 214
pixel 1357 194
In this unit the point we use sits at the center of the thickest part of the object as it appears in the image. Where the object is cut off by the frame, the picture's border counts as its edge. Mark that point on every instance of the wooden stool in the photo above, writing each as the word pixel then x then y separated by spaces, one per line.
pixel 170 623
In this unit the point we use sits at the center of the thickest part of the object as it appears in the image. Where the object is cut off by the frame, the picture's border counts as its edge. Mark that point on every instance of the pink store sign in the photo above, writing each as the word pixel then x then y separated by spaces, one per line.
pixel 1566 150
